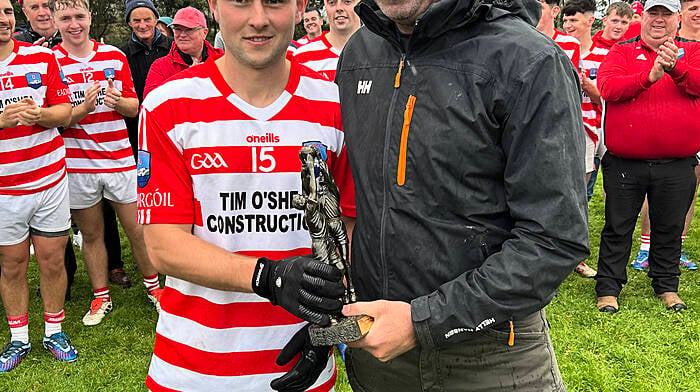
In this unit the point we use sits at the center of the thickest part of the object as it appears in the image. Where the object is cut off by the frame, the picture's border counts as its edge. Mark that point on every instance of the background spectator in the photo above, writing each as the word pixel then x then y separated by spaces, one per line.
pixel 649 90
pixel 164 25
pixel 40 28
pixel 190 48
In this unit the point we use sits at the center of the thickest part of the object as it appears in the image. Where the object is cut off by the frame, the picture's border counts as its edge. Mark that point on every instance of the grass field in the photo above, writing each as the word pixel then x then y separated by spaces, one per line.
pixel 642 348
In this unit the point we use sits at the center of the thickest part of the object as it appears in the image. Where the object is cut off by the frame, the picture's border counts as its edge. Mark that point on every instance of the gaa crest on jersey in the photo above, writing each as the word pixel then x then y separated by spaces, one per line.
pixel 322 148
pixel 109 73
pixel 63 77
pixel 143 168
pixel 34 80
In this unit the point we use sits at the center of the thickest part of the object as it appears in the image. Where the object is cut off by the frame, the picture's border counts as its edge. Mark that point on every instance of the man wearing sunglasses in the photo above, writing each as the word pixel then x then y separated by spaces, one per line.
pixel 190 48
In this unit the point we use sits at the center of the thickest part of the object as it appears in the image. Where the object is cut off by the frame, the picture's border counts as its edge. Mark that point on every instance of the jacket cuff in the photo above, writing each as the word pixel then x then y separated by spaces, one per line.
pixel 679 71
pixel 420 314
pixel 644 80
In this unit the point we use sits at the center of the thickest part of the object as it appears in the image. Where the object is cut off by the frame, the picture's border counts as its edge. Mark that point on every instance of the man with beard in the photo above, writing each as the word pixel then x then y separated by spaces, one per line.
pixel 467 222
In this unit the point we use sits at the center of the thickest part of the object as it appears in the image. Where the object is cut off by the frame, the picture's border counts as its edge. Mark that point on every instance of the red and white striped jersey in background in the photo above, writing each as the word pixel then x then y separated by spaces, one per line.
pixel 32 158
pixel 209 159
pixel 99 142
pixel 320 56
pixel 570 45
pixel 592 114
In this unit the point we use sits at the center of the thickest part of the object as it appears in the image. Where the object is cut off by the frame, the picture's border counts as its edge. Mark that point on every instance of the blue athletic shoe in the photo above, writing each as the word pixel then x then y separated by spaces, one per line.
pixel 641 262
pixel 12 354
pixel 687 263
pixel 341 350
pixel 60 346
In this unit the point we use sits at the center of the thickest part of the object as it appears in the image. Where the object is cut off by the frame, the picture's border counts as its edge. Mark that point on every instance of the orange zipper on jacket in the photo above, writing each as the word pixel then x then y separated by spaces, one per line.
pixel 407 115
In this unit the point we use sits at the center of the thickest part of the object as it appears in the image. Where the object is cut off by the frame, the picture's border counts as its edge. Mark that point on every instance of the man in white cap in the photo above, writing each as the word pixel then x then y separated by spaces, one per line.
pixel 645 82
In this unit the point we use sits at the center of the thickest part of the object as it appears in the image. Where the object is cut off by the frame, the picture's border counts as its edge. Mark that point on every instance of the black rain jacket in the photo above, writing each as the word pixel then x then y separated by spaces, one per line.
pixel 467 151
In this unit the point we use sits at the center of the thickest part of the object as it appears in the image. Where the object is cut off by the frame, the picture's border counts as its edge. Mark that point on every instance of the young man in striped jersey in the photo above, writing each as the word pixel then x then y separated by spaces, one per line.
pixel 34 100
pixel 567 43
pixel 313 23
pixel 616 23
pixel 322 54
pixel 98 155
pixel 218 166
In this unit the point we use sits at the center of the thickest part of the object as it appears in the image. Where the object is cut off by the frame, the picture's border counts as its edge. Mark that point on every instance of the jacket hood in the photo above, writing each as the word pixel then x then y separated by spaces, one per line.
pixel 446 15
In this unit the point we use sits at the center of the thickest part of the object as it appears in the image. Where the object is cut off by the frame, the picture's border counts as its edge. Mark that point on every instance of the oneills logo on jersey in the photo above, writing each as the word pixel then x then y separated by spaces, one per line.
pixel 207 161
pixel 34 80
pixel 143 168
pixel 269 137
pixel 322 148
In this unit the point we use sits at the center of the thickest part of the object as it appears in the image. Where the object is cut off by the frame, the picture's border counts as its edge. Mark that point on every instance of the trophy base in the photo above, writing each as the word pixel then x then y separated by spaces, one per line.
pixel 346 330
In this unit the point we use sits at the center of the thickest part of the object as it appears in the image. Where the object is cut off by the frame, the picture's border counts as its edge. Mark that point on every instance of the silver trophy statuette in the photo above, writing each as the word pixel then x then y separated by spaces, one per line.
pixel 320 201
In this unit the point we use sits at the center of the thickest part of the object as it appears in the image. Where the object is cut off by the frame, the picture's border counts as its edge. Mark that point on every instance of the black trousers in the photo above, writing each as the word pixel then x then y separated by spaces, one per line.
pixel 669 186
pixel 112 242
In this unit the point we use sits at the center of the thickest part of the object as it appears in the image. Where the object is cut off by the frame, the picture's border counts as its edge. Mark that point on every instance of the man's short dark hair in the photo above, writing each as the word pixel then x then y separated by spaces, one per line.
pixel 552 3
pixel 318 11
pixel 574 6
pixel 622 9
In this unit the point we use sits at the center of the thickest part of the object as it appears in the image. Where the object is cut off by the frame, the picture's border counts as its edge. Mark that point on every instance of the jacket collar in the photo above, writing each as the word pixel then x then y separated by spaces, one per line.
pixel 156 38
pixel 182 58
pixel 447 15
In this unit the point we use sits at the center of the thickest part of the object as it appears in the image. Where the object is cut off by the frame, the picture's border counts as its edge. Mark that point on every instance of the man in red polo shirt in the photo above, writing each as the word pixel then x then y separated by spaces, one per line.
pixel 649 85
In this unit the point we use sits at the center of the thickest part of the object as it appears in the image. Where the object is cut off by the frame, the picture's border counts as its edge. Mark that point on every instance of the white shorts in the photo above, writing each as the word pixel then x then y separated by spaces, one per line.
pixel 590 154
pixel 87 189
pixel 45 213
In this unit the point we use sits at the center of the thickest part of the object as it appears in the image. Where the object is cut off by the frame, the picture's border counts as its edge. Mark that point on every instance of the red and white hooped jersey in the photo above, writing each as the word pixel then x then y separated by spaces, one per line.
pixel 32 158
pixel 320 56
pixel 570 45
pixel 209 159
pixel 592 113
pixel 98 143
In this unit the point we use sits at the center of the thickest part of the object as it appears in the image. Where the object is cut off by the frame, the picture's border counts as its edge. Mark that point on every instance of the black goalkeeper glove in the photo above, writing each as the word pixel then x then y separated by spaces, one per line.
pixel 303 286
pixel 311 363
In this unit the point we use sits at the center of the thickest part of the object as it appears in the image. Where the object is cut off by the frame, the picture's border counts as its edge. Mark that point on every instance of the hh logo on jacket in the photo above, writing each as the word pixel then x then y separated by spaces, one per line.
pixel 363 86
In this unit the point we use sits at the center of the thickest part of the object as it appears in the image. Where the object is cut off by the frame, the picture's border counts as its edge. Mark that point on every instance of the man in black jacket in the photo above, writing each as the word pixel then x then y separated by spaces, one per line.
pixel 147 44
pixel 40 28
pixel 466 145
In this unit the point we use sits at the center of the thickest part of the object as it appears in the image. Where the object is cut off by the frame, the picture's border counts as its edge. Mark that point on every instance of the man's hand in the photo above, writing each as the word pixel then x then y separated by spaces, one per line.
pixel 10 117
pixel 303 286
pixel 41 42
pixel 668 54
pixel 31 113
pixel 311 363
pixel 90 103
pixel 112 96
pixel 657 71
pixel 590 88
pixel 392 332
